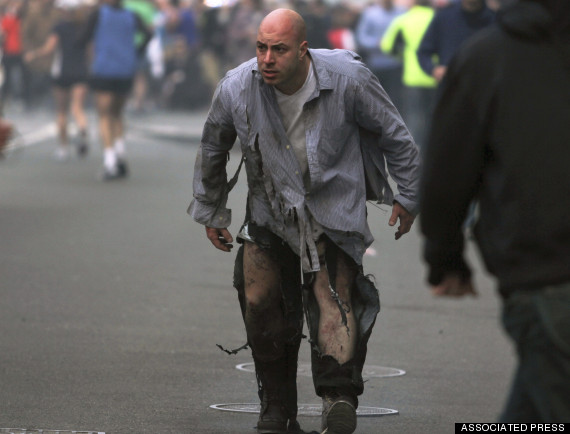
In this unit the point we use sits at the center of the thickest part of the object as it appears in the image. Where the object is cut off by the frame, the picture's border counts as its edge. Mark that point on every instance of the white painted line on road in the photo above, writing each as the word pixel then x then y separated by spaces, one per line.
pixel 304 409
pixel 46 431
pixel 35 137
pixel 304 369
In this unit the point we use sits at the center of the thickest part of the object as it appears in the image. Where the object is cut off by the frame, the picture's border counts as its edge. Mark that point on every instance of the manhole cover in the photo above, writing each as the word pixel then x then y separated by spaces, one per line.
pixel 304 409
pixel 45 431
pixel 304 370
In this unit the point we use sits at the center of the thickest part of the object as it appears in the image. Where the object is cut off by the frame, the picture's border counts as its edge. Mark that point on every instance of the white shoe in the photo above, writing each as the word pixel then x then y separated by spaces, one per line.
pixel 61 154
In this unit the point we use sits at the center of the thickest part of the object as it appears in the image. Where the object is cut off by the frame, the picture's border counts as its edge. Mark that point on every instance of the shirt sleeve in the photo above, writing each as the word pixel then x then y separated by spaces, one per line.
pixel 210 177
pixel 377 114
pixel 453 165
pixel 429 47
pixel 388 41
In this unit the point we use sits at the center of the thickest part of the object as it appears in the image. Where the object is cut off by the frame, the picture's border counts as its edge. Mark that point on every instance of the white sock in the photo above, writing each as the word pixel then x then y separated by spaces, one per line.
pixel 110 159
pixel 120 148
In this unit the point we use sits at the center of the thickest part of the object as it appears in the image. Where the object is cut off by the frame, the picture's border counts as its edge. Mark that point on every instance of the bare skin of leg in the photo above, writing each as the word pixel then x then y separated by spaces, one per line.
pixel 110 110
pixel 140 89
pixel 62 97
pixel 334 338
pixel 104 101
pixel 264 317
pixel 78 94
pixel 117 108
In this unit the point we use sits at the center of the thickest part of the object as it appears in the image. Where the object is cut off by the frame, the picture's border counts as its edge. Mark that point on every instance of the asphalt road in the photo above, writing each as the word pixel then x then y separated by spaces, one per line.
pixel 112 302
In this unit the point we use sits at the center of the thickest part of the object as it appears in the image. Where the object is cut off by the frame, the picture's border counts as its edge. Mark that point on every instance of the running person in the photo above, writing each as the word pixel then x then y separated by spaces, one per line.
pixel 112 29
pixel 69 75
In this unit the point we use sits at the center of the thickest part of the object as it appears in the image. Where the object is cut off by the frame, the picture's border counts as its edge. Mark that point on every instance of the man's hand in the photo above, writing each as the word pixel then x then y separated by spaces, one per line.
pixel 453 285
pixel 220 238
pixel 406 219
pixel 438 72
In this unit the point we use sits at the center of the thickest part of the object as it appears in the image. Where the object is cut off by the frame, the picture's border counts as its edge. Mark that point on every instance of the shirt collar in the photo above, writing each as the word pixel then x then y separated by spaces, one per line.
pixel 323 77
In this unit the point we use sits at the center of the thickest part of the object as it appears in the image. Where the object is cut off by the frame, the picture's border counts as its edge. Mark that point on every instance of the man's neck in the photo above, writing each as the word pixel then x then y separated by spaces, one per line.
pixel 300 81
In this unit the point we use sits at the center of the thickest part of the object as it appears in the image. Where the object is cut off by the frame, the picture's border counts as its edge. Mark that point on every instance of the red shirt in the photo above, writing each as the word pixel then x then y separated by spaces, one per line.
pixel 10 25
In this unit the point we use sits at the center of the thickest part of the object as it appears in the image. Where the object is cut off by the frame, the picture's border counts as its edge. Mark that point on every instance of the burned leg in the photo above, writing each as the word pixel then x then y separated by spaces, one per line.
pixel 265 324
pixel 276 377
pixel 264 320
pixel 337 326
pixel 341 308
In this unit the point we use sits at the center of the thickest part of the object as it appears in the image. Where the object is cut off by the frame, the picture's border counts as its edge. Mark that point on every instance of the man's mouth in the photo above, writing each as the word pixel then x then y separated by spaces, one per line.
pixel 269 73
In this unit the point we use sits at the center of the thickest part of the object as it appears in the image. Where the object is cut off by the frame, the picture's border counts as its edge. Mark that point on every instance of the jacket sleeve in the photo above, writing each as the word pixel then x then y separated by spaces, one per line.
pixel 376 113
pixel 453 164
pixel 429 46
pixel 210 177
pixel 388 41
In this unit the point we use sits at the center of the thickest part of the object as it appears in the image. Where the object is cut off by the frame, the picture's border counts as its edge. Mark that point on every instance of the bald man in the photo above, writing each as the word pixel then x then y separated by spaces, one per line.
pixel 308 122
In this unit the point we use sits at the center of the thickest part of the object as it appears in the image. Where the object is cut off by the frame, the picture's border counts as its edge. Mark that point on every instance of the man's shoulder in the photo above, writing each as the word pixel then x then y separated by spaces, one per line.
pixel 237 77
pixel 242 69
pixel 340 62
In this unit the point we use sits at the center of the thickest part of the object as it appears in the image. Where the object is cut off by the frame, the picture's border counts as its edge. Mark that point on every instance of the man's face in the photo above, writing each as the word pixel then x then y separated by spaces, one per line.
pixel 279 56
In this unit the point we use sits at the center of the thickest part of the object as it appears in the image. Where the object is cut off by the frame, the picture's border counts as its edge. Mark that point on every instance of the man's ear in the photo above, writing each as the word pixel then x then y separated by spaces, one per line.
pixel 303 48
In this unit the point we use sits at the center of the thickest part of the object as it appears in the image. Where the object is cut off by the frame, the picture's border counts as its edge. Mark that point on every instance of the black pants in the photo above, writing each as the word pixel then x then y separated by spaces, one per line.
pixel 539 323
pixel 327 372
pixel 13 64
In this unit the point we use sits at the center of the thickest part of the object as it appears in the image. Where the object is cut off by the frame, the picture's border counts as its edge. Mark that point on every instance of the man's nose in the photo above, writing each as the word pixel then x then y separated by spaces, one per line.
pixel 268 58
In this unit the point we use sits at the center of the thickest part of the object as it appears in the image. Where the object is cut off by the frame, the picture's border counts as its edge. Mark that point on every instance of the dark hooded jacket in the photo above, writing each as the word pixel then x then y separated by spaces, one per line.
pixel 501 134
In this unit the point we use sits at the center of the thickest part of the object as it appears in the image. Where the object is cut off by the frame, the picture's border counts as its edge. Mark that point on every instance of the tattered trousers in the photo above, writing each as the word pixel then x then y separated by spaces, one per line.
pixel 298 299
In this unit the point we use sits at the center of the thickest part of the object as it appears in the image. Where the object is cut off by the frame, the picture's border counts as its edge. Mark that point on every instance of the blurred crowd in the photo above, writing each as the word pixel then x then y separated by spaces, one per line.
pixel 195 42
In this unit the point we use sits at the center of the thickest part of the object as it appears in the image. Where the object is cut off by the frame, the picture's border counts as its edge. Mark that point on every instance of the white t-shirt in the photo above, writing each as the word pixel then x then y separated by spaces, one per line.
pixel 291 108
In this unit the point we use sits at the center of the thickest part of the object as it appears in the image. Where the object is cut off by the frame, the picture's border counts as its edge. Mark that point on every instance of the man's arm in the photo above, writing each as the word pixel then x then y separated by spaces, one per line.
pixel 453 165
pixel 146 33
pixel 429 47
pixel 210 177
pixel 376 113
pixel 391 36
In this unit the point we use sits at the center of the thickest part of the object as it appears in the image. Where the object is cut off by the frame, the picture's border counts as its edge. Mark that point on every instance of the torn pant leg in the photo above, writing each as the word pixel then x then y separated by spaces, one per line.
pixel 328 373
pixel 274 353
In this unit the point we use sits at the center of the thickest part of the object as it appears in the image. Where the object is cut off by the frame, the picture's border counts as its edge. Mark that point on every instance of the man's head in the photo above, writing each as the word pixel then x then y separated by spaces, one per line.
pixel 472 5
pixel 282 50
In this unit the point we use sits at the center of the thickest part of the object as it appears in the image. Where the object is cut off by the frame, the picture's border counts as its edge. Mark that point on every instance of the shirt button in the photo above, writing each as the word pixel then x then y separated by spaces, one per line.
pixel 287 147
pixel 296 172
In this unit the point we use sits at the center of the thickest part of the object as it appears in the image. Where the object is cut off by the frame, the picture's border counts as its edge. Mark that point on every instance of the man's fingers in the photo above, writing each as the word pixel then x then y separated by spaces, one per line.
pixel 224 233
pixel 220 238
pixel 406 220
pixel 454 287
pixel 394 217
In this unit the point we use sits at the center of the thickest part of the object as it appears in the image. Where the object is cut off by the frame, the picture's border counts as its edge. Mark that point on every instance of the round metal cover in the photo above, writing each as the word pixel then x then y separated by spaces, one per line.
pixel 304 409
pixel 304 370
pixel 45 431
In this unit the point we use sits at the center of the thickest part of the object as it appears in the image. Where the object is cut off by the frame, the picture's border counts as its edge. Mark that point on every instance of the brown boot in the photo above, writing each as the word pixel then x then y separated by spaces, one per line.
pixel 339 414
pixel 273 416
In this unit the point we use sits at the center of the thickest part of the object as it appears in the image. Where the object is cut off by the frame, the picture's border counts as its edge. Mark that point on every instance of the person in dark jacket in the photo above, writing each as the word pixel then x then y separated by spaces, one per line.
pixel 450 27
pixel 500 135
